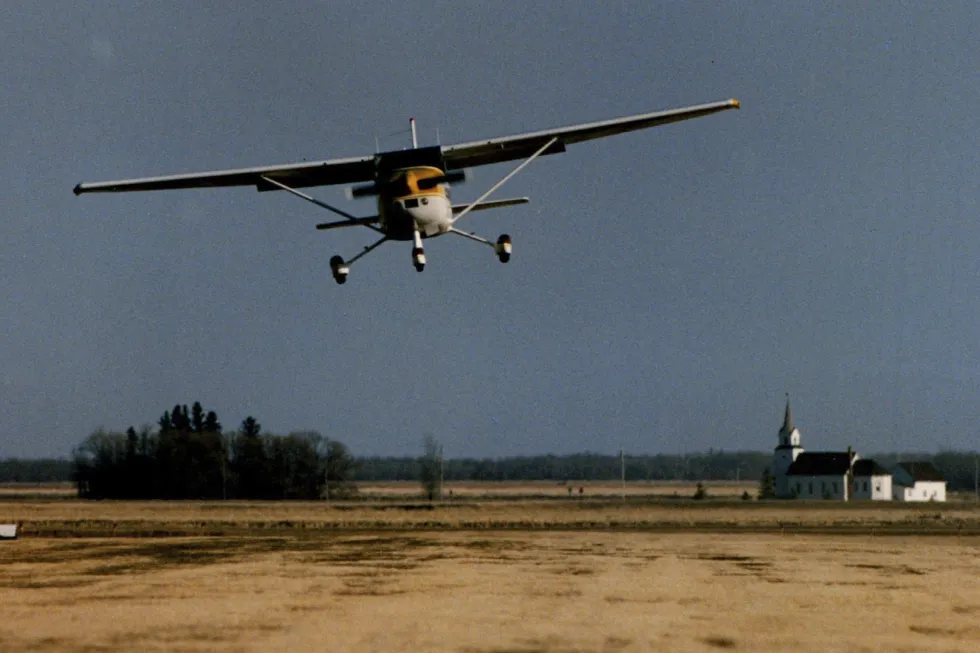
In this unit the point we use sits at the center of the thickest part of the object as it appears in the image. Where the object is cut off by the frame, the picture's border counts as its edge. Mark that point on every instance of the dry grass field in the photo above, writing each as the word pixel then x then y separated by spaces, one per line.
pixel 75 518
pixel 490 572
pixel 492 592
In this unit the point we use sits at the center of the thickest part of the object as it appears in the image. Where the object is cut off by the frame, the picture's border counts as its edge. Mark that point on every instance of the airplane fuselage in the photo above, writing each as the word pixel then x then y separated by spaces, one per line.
pixel 403 206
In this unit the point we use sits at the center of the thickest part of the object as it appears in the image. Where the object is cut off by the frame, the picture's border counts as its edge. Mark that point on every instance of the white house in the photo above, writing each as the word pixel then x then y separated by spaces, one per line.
pixel 917 481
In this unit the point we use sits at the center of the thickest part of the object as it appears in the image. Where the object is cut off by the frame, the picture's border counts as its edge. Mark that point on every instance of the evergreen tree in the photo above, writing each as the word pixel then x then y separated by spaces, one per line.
pixel 250 428
pixel 767 485
pixel 211 423
pixel 197 417
pixel 250 461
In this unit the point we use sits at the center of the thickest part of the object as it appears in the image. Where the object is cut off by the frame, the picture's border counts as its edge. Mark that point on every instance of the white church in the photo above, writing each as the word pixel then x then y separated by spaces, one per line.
pixel 845 476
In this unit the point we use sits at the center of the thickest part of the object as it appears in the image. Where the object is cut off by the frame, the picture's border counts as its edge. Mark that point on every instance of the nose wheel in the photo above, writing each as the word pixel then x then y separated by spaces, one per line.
pixel 503 248
pixel 418 254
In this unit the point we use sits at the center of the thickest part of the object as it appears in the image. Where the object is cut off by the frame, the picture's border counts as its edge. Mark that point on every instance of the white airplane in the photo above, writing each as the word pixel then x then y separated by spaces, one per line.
pixel 412 185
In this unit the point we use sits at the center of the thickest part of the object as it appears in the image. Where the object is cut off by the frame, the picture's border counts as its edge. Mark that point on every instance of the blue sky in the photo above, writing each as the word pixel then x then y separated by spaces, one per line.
pixel 668 287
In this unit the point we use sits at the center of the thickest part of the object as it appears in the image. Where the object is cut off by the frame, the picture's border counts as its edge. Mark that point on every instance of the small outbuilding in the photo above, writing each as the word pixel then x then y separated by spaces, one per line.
pixel 918 481
pixel 871 481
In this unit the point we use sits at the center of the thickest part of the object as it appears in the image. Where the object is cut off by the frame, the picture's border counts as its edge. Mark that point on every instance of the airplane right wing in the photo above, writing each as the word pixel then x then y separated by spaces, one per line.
pixel 521 146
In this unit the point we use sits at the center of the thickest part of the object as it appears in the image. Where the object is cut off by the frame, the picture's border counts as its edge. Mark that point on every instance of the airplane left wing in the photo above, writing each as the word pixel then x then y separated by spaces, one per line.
pixel 294 175
pixel 522 146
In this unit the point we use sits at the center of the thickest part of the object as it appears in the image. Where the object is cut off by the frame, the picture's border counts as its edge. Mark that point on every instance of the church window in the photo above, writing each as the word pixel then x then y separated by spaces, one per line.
pixel 835 487
pixel 865 486
pixel 798 488
pixel 811 487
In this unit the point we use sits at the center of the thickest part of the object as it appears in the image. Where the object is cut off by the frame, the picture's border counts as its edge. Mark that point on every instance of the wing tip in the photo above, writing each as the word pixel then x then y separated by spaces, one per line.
pixel 735 103
pixel 77 189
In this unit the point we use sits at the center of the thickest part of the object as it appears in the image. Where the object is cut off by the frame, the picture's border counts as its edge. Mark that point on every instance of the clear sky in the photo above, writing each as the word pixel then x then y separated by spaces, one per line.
pixel 668 287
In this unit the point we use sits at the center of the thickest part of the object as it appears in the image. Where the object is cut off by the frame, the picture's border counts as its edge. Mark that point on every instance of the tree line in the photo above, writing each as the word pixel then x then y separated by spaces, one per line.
pixel 709 466
pixel 190 457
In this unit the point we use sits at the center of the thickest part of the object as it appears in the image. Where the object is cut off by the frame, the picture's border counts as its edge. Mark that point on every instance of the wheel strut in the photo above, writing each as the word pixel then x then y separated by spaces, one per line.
pixel 418 254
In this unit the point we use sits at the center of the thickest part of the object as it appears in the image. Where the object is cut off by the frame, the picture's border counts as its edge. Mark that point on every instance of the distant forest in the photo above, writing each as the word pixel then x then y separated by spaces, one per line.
pixel 190 455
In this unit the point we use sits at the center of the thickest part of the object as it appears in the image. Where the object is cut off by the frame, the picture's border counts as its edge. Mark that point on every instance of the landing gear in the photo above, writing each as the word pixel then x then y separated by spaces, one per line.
pixel 339 269
pixel 418 254
pixel 503 248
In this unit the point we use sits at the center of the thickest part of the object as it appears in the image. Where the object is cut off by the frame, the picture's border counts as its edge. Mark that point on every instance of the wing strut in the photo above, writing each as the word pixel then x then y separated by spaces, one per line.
pixel 323 205
pixel 505 179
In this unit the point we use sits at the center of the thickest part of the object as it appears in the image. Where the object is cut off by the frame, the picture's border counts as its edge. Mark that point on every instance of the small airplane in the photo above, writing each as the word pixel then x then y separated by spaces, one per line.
pixel 412 185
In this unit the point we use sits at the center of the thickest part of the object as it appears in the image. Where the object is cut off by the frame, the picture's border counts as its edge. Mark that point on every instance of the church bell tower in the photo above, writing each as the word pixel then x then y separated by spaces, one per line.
pixel 787 450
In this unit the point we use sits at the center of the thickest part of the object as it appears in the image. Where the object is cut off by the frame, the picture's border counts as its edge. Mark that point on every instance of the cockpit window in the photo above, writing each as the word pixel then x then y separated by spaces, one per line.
pixel 412 203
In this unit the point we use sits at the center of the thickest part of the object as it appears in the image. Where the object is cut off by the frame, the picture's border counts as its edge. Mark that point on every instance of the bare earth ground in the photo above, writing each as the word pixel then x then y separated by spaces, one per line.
pixel 490 575
pixel 492 592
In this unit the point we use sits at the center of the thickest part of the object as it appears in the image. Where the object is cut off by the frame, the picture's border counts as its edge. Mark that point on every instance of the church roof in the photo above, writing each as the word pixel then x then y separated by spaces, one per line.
pixel 868 467
pixel 820 463
pixel 921 471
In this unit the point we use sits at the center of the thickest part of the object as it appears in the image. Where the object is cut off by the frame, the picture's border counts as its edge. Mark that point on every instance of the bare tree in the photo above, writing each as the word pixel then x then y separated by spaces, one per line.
pixel 430 468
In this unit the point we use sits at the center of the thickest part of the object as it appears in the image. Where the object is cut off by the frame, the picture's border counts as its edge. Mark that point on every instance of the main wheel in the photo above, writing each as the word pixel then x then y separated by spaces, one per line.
pixel 503 248
pixel 339 269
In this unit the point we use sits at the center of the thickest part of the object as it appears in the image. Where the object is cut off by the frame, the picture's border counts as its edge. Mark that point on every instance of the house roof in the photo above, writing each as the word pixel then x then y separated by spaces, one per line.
pixel 868 467
pixel 922 470
pixel 820 463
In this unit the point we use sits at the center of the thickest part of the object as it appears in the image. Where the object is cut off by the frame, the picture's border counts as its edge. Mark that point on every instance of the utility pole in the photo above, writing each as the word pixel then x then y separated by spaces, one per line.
pixel 622 471
pixel 976 477
pixel 441 475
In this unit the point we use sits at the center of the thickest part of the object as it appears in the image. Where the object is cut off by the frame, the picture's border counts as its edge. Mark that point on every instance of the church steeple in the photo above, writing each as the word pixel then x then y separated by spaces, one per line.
pixel 789 435
pixel 786 452
pixel 788 426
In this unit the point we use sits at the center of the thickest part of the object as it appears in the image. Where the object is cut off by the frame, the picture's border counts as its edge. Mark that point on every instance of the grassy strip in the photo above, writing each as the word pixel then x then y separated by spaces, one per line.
pixel 140 528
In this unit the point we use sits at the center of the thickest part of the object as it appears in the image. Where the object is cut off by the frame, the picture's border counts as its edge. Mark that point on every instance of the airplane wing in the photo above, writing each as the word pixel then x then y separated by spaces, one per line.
pixel 521 146
pixel 361 169
pixel 294 175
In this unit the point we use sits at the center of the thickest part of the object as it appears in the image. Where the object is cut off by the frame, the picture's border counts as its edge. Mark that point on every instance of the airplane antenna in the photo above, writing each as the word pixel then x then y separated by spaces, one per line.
pixel 415 140
pixel 377 145
pixel 438 140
